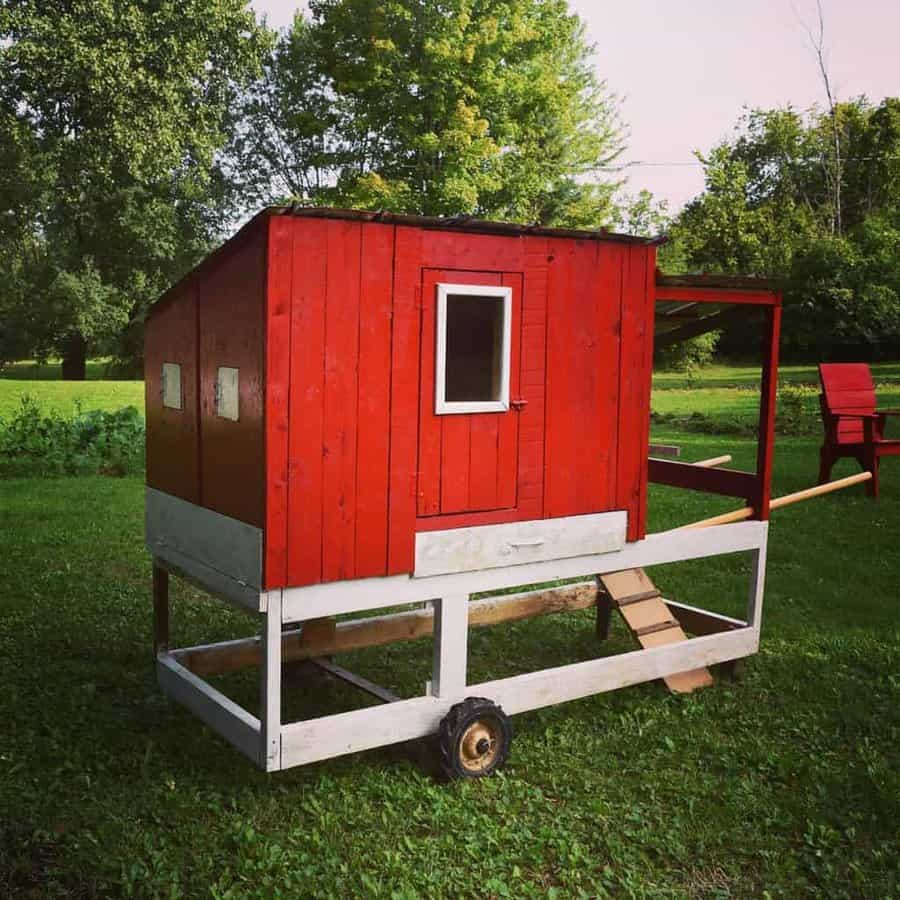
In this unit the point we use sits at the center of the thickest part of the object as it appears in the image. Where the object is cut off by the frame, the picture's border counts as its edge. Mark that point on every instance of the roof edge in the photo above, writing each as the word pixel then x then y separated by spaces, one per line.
pixel 456 223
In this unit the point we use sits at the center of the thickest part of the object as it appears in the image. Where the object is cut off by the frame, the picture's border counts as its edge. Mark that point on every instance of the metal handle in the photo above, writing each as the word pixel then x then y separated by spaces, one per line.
pixel 518 545
pixel 518 404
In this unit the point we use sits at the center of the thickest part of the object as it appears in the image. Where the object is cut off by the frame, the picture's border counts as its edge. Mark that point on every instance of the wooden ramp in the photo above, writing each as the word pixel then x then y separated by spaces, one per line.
pixel 645 613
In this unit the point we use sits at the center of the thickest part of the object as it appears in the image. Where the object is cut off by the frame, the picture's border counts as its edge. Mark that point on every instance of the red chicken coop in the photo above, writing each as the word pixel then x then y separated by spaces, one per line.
pixel 353 411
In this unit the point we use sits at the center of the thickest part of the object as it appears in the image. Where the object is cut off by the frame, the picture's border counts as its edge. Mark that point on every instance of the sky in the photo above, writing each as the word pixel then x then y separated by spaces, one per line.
pixel 685 70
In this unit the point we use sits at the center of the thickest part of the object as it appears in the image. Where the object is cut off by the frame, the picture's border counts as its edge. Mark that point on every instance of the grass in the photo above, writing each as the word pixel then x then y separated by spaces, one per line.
pixel 65 397
pixel 786 781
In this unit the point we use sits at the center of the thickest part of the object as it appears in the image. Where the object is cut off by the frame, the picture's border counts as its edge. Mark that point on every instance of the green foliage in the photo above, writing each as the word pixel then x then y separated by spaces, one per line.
pixel 111 116
pixel 34 442
pixel 489 109
pixel 797 410
pixel 769 209
pixel 688 356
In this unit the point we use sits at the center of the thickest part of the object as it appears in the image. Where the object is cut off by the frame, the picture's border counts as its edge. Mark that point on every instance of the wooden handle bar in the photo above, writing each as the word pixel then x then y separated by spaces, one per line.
pixel 713 461
pixel 746 512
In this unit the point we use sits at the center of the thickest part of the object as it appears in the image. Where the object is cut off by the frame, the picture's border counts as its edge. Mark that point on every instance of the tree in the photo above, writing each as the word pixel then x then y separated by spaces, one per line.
pixel 768 209
pixel 111 115
pixel 486 108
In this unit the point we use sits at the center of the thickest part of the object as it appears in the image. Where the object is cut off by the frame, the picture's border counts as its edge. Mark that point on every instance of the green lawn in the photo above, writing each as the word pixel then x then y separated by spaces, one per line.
pixel 786 781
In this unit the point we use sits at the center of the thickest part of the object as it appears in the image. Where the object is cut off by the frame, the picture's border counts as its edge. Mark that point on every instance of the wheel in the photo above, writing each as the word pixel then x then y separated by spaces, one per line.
pixel 474 738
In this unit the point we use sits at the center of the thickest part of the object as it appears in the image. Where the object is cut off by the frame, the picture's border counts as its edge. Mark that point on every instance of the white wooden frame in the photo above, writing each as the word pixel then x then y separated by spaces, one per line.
pixel 275 745
pixel 442 406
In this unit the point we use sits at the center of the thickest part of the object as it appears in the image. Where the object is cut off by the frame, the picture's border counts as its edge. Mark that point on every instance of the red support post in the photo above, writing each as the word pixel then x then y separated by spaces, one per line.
pixel 768 398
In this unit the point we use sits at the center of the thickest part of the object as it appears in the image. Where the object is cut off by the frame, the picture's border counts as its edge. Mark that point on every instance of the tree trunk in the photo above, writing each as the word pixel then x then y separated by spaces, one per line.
pixel 74 358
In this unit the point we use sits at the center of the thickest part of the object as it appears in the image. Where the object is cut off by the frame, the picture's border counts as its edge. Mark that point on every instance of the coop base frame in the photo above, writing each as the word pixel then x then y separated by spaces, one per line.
pixel 275 745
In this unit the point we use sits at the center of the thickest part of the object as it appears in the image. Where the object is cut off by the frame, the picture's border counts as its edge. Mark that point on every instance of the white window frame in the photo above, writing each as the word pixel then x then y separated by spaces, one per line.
pixel 442 406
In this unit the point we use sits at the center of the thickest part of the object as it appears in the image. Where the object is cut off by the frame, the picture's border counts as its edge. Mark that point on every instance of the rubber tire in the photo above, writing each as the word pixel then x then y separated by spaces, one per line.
pixel 454 725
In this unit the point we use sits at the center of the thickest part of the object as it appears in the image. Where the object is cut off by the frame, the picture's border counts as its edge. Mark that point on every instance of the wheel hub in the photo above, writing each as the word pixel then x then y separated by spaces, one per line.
pixel 478 746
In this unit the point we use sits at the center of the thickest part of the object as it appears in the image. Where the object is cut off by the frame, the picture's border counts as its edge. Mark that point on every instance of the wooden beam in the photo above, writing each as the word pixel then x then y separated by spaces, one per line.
pixel 369 687
pixel 376 631
pixel 698 326
pixel 713 461
pixel 700 621
pixel 160 610
pixel 730 482
pixel 746 512
pixel 667 451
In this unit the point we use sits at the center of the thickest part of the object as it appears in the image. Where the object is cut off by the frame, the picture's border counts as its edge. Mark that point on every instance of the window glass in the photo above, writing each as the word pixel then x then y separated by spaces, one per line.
pixel 473 348
pixel 171 385
pixel 227 393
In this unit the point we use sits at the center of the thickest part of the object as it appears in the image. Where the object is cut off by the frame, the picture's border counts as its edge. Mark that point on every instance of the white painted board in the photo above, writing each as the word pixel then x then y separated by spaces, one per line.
pixel 515 543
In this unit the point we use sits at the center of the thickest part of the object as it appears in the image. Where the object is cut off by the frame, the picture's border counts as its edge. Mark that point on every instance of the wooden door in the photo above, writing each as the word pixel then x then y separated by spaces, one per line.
pixel 471 324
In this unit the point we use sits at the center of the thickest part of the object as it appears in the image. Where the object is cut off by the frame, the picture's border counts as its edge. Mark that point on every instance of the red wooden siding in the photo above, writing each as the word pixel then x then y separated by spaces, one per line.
pixel 404 399
pixel 337 453
pixel 373 437
pixel 582 378
pixel 637 299
pixel 340 337
pixel 173 434
pixel 232 333
pixel 278 374
pixel 306 403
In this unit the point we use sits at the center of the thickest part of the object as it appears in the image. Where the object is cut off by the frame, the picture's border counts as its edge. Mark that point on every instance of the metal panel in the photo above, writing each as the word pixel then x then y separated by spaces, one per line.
pixel 514 543
pixel 223 544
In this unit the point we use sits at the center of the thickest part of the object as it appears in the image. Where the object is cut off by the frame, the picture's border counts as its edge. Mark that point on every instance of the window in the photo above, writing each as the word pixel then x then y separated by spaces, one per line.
pixel 473 348
pixel 170 385
pixel 227 394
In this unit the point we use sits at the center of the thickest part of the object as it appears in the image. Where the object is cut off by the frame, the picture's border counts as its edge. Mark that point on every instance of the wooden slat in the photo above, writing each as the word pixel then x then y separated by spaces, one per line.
pixel 532 386
pixel 561 434
pixel 374 409
pixel 430 432
pixel 634 394
pixel 510 460
pixel 404 400
pixel 306 404
pixel 278 375
pixel 340 401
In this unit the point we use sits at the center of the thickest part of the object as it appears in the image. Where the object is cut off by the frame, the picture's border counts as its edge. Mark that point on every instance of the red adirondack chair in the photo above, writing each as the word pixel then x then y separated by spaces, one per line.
pixel 853 427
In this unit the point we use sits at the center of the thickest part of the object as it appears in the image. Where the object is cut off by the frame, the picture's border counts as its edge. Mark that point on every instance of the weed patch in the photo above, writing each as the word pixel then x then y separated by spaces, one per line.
pixel 38 443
